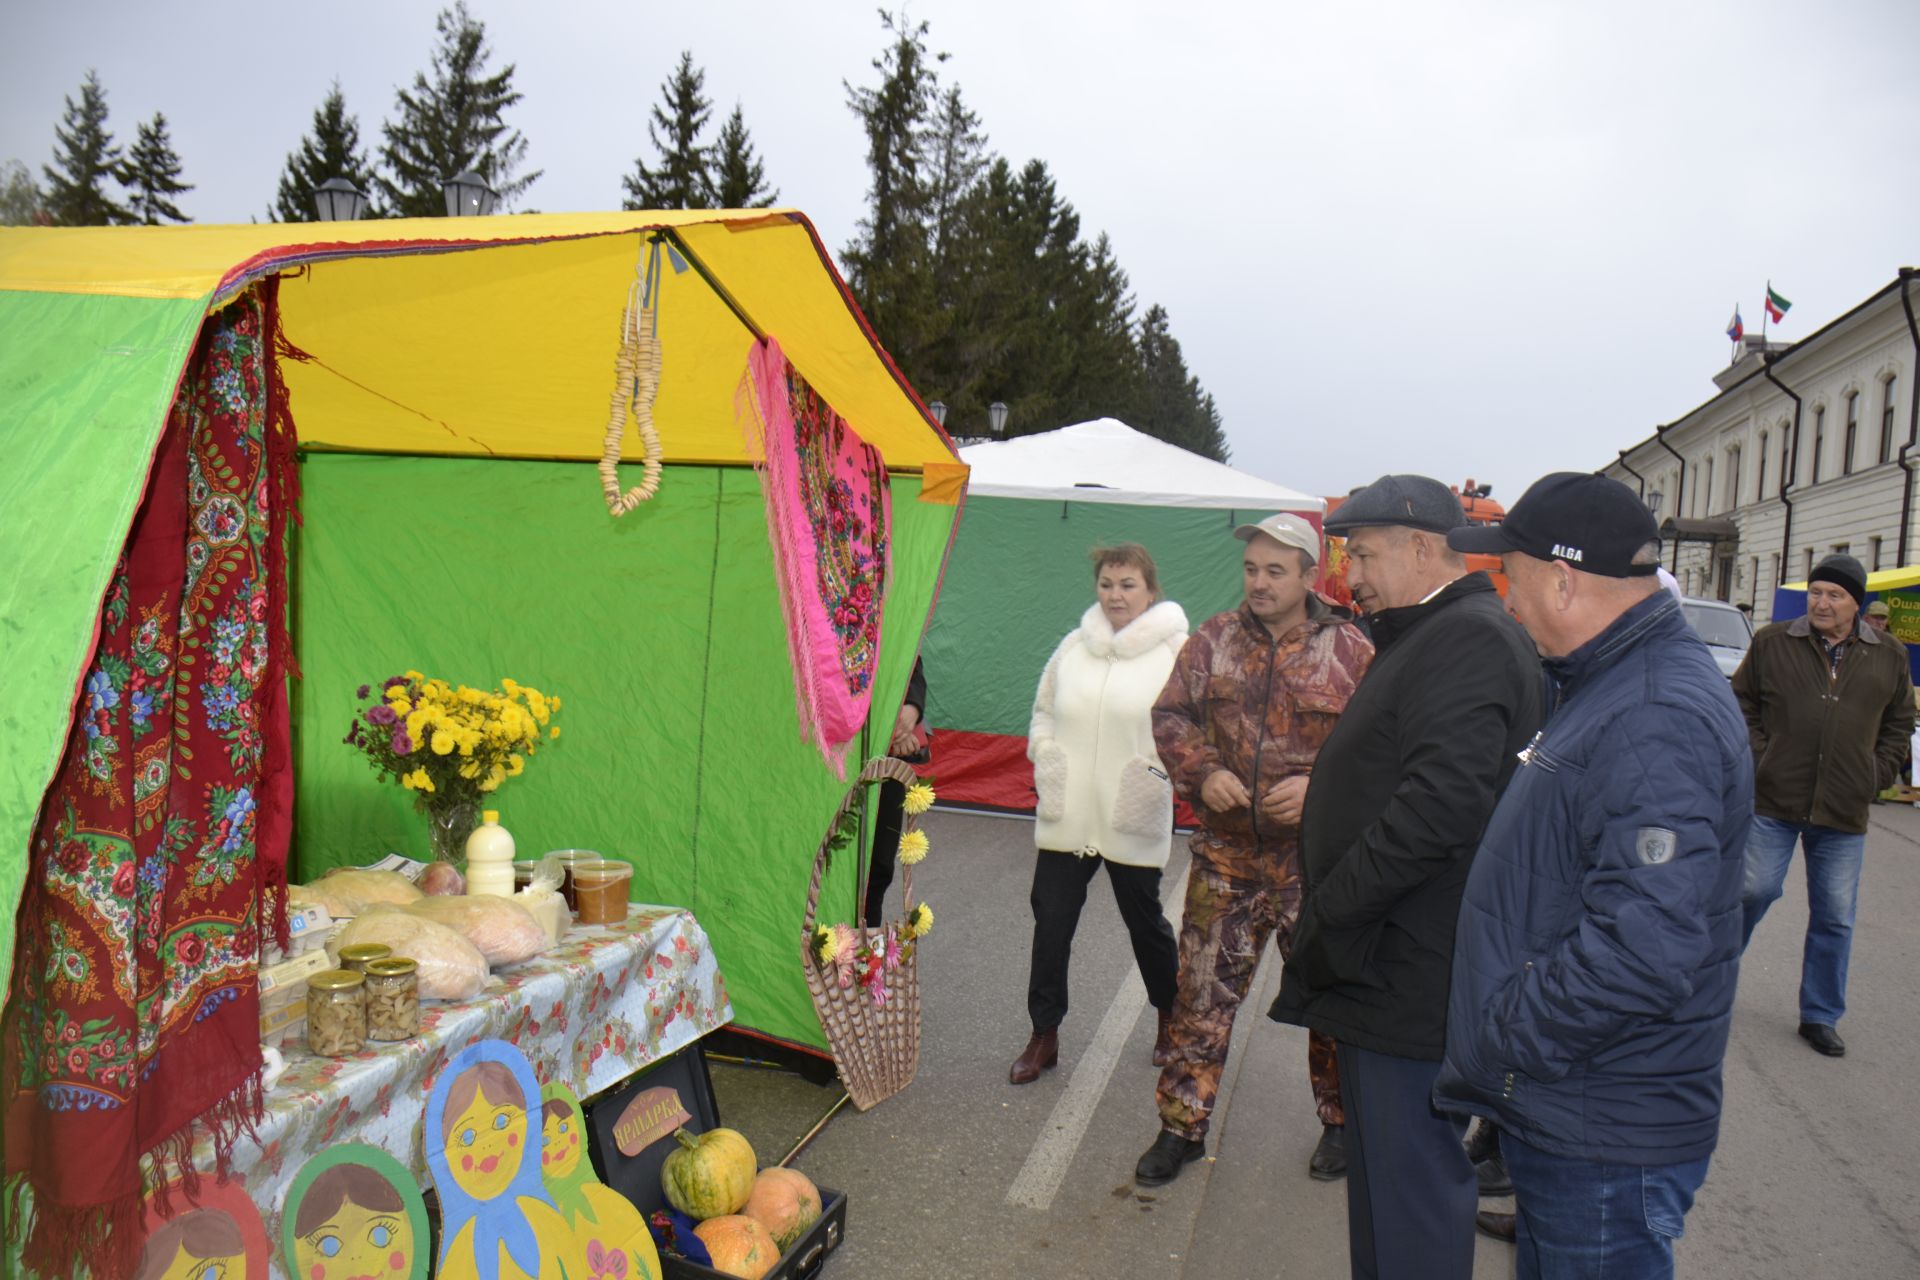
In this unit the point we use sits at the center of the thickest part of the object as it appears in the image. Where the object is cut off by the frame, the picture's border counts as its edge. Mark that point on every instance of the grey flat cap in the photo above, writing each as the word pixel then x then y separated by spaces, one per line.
pixel 1412 502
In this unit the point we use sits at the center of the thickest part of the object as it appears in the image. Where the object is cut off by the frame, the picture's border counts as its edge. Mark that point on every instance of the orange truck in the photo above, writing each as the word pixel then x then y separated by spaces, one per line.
pixel 1474 500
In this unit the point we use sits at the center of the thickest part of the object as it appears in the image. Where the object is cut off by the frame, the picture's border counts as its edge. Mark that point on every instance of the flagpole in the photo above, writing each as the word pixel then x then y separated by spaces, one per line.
pixel 1766 309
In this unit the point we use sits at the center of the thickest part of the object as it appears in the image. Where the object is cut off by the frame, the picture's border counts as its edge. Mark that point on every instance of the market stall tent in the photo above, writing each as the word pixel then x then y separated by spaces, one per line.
pixel 1900 588
pixel 450 394
pixel 1019 577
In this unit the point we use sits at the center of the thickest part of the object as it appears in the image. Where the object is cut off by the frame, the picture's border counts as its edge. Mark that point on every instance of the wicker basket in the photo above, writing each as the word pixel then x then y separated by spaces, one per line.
pixel 876 1047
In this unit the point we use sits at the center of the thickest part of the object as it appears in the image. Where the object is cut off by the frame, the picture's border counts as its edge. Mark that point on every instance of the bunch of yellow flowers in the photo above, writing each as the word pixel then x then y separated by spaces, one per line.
pixel 437 738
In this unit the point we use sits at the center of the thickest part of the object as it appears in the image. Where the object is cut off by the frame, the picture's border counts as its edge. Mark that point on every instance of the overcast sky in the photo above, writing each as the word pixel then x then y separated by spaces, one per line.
pixel 1474 237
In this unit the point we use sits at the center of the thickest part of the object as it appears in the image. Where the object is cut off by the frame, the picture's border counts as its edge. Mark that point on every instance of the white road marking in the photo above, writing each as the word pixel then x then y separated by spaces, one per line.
pixel 1053 1151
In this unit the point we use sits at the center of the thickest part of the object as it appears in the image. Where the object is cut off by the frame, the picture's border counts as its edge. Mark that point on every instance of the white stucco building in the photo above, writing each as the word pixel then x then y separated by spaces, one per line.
pixel 1752 489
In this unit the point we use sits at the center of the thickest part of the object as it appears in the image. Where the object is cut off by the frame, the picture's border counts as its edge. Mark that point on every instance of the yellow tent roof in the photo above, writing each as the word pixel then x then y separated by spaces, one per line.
pixel 1880 580
pixel 497 336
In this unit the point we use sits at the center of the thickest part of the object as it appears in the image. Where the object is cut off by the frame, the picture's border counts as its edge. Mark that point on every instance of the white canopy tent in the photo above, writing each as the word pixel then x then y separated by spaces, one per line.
pixel 1108 461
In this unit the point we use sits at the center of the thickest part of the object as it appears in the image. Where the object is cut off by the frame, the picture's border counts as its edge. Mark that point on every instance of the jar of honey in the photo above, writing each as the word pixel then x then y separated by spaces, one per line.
pixel 601 889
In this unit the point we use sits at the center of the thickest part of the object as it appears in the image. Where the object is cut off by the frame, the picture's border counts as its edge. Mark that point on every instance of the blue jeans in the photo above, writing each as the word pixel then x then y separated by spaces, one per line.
pixel 1833 892
pixel 1583 1220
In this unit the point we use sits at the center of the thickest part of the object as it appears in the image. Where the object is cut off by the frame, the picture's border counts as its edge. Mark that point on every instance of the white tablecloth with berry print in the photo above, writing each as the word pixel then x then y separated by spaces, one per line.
pixel 603 1004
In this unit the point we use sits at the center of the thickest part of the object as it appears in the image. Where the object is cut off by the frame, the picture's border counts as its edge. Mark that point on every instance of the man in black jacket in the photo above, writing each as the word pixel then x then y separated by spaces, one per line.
pixel 1400 795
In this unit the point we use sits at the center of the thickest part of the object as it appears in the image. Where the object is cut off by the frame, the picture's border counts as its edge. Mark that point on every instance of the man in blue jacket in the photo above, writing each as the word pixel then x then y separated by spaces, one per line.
pixel 1599 940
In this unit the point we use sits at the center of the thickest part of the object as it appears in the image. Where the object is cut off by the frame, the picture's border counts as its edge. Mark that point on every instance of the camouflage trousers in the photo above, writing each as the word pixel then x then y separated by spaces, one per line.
pixel 1222 933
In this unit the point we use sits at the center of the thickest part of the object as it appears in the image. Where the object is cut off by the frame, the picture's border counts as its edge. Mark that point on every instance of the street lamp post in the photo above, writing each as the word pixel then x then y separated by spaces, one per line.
pixel 997 418
pixel 468 195
pixel 336 200
pixel 938 409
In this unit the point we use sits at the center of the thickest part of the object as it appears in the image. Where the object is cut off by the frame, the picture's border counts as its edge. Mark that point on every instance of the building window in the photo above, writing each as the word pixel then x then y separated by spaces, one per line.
pixel 1733 477
pixel 1786 461
pixel 1853 433
pixel 1890 387
pixel 1753 574
pixel 1760 486
pixel 1843 548
pixel 1774 574
pixel 1708 485
pixel 1807 571
pixel 1873 546
pixel 1819 442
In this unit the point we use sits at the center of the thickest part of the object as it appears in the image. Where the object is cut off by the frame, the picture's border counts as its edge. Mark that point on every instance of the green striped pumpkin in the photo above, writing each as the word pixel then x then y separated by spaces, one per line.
pixel 710 1175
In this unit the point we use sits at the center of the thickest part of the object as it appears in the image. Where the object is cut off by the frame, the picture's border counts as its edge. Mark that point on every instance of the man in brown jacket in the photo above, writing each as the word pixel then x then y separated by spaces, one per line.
pixel 1829 707
pixel 1252 696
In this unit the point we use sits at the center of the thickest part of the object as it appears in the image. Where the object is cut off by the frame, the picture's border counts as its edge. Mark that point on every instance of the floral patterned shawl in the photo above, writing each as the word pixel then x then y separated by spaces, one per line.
pixel 160 850
pixel 829 514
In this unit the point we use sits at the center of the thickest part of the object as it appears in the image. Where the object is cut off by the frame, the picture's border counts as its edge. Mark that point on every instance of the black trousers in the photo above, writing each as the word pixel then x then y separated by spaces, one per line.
pixel 1411 1191
pixel 888 813
pixel 1059 891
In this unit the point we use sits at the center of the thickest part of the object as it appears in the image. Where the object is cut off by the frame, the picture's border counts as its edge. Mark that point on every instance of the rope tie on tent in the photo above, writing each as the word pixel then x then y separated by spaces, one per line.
pixel 636 383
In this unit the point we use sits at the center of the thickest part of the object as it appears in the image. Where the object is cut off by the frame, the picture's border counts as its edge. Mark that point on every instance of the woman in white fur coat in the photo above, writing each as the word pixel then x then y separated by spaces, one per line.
pixel 1104 799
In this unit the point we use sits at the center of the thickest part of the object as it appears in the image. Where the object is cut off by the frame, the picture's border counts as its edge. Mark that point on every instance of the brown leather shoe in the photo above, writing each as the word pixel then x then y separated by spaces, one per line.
pixel 1498 1225
pixel 1163 1041
pixel 1041 1053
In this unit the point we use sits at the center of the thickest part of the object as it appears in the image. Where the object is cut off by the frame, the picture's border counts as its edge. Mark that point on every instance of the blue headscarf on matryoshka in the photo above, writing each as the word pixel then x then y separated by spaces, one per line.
pixel 474 1169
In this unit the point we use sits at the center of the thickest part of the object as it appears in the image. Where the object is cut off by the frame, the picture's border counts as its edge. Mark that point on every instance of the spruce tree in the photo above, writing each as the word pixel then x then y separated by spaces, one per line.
pixel 152 176
pixel 1173 406
pixel 20 202
pixel 958 152
pixel 888 263
pixel 739 179
pixel 331 150
pixel 682 178
pixel 451 121
pixel 84 159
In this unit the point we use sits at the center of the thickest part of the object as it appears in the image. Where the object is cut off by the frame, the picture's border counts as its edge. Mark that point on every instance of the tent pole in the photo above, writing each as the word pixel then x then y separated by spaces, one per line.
pixel 680 246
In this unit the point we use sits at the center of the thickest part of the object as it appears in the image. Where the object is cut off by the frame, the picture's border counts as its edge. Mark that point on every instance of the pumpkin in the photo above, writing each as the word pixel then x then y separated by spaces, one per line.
pixel 740 1245
pixel 711 1175
pixel 785 1202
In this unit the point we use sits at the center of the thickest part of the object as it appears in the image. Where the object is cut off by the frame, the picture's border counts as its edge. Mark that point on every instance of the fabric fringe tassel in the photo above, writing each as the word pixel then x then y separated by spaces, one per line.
pixel 95 1240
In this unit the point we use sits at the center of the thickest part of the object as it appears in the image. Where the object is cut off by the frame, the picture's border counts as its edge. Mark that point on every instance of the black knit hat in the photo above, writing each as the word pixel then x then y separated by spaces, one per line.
pixel 1844 572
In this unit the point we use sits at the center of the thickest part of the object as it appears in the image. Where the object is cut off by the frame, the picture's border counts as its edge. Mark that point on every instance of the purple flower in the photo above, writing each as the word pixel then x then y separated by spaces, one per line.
pixel 382 714
pixel 392 682
pixel 363 691
pixel 401 743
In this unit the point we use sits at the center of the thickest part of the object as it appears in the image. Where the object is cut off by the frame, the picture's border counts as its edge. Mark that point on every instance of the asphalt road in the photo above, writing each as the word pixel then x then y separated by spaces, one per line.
pixel 963 1175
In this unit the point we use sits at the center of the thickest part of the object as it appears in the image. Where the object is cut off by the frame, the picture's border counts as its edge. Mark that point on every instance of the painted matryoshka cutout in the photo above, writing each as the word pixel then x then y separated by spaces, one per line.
pixel 609 1234
pixel 355 1213
pixel 217 1235
pixel 483 1145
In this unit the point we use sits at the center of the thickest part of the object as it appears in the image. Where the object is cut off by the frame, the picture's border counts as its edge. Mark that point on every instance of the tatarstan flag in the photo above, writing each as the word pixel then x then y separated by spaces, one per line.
pixel 1776 305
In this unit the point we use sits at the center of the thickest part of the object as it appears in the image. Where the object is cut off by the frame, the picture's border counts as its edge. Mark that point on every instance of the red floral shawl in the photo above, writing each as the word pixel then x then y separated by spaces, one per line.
pixel 160 849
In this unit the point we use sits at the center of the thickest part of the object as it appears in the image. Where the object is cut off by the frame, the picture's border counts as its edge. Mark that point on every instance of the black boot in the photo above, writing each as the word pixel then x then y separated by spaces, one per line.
pixel 1163 1161
pixel 1493 1175
pixel 1329 1163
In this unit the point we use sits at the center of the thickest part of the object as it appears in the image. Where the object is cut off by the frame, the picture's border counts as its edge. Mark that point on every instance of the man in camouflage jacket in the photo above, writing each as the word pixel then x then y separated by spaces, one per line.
pixel 1253 695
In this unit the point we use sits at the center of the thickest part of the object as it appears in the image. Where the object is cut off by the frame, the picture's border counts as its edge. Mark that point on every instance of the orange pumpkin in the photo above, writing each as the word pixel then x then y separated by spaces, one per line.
pixel 785 1202
pixel 740 1245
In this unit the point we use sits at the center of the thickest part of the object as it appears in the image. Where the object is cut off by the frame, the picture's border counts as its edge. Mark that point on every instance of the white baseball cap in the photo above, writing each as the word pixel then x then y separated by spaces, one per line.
pixel 1288 531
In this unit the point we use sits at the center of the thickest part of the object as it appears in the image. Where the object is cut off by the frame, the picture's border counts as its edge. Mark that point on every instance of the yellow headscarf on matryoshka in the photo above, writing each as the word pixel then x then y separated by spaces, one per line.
pixel 604 1222
pixel 483 1146
pixel 355 1211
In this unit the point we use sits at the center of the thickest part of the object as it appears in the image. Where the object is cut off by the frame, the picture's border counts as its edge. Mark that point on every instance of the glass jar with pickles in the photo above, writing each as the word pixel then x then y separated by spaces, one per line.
pixel 336 1013
pixel 393 999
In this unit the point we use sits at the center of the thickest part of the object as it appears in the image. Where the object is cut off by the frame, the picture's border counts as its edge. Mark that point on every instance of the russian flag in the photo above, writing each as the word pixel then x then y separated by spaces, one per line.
pixel 1736 330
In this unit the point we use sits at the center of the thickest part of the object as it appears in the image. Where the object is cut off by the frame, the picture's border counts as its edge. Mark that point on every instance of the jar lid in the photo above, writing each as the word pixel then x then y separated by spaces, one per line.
pixel 336 980
pixel 365 951
pixel 601 871
pixel 392 967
